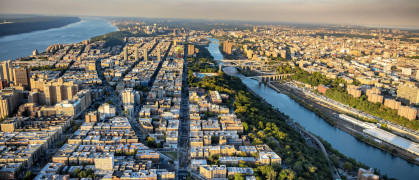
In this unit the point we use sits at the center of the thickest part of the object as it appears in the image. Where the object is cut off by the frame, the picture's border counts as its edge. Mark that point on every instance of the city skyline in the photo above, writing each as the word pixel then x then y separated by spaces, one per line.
pixel 373 13
pixel 209 89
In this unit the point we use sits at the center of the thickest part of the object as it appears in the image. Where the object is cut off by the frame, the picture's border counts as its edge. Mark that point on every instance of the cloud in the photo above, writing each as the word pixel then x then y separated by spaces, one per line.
pixel 363 12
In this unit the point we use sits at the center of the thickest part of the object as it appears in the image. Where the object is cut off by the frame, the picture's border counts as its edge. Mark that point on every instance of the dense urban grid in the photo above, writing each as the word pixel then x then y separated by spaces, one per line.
pixel 150 102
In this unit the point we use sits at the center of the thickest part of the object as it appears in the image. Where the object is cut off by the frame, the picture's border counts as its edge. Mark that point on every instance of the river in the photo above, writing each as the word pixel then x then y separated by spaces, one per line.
pixel 345 143
pixel 20 45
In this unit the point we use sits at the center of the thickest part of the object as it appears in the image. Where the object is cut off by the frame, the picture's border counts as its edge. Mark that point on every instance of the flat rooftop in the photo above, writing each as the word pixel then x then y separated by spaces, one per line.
pixel 394 140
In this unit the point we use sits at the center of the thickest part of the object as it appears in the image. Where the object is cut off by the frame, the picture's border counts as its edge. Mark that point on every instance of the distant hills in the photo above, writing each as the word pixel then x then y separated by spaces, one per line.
pixel 23 24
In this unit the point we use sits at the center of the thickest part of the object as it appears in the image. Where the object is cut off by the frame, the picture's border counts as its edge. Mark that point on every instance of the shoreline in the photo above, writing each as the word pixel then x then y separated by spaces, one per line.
pixel 340 124
pixel 303 132
pixel 21 47
pixel 330 148
pixel 48 25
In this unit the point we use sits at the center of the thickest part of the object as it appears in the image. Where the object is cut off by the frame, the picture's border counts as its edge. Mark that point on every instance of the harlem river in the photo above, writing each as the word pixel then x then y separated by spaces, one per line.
pixel 393 166
pixel 20 45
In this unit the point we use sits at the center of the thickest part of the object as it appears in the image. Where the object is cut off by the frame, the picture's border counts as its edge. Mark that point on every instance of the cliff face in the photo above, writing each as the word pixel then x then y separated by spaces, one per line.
pixel 35 25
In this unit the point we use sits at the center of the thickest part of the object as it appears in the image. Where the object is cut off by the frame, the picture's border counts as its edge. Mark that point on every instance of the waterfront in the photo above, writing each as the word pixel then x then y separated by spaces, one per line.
pixel 20 45
pixel 343 142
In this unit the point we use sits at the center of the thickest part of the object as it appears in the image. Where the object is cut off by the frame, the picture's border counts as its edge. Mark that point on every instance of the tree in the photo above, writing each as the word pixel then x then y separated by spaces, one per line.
pixel 214 158
pixel 238 176
pixel 271 175
pixel 286 174
pixel 298 167
pixel 150 141
pixel 245 126
pixel 242 154
pixel 282 175
pixel 335 160
pixel 347 166
pixel 242 164
pixel 28 176
pixel 311 168
pixel 277 166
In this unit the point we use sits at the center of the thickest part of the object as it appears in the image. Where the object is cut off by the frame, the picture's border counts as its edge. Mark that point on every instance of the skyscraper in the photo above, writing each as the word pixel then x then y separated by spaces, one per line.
pixel 22 76
pixel 9 101
pixel 6 71
pixel 158 54
pixel 125 53
pixel 136 53
pixel 227 47
pixel 57 91
pixel 191 50
pixel 128 97
pixel 145 54
pixel 35 52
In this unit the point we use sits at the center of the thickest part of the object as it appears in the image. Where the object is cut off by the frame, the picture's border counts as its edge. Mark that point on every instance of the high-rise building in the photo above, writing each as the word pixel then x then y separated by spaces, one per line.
pixel 391 103
pixel 145 54
pixel 136 53
pixel 322 88
pixel 6 71
pixel 283 54
pixel 105 161
pixel 158 54
pixel 3 84
pixel 106 111
pixel 35 52
pixel 74 107
pixel 56 91
pixel 409 113
pixel 85 97
pixel 227 47
pixel 214 171
pixel 408 93
pixel 22 76
pixel 191 50
pixel 91 66
pixel 92 116
pixel 9 101
pixel 129 97
pixel 354 91
pixel 125 53
pixel 375 98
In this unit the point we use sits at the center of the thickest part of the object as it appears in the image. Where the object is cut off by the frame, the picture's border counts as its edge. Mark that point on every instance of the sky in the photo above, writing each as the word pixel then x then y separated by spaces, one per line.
pixel 384 13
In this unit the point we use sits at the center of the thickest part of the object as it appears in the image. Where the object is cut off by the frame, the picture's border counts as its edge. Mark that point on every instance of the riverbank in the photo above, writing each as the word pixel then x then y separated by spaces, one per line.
pixel 22 45
pixel 339 141
pixel 327 114
pixel 31 24
pixel 303 133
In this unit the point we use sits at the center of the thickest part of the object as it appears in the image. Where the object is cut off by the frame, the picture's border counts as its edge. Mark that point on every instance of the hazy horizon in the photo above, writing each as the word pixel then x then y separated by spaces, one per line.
pixel 371 13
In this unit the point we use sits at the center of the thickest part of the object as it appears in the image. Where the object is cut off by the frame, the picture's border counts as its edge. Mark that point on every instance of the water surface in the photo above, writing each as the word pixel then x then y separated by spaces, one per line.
pixel 20 45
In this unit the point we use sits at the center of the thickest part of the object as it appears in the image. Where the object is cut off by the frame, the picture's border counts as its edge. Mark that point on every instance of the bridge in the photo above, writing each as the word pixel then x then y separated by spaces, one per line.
pixel 247 64
pixel 273 77
pixel 239 61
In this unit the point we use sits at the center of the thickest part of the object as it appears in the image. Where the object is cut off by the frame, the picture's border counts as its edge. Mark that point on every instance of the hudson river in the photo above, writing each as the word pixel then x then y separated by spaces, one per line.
pixel 19 45
pixel 393 166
